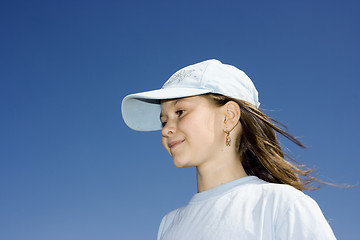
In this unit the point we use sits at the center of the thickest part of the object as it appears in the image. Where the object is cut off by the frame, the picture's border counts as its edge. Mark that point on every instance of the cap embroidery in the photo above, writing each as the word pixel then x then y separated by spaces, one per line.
pixel 179 76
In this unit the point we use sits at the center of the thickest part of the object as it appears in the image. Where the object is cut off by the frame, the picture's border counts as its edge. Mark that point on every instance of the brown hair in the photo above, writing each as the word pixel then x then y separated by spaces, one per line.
pixel 260 151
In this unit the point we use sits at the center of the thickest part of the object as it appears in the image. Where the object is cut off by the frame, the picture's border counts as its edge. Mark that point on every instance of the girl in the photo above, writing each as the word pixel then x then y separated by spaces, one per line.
pixel 209 117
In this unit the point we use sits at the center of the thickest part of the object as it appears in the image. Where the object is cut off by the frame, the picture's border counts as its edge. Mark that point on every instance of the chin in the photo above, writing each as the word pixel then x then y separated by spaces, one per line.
pixel 181 164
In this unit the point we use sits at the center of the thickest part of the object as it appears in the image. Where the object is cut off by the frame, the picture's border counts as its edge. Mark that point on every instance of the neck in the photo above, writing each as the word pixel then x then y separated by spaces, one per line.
pixel 219 172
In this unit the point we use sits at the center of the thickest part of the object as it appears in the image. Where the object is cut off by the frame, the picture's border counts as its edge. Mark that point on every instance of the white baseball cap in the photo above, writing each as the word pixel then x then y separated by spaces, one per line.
pixel 141 111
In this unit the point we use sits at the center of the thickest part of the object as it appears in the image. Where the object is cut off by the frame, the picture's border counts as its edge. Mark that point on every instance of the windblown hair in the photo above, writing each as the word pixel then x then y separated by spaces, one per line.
pixel 260 151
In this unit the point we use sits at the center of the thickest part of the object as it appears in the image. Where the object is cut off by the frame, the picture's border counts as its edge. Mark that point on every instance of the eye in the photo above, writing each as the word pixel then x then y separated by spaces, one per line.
pixel 163 124
pixel 179 112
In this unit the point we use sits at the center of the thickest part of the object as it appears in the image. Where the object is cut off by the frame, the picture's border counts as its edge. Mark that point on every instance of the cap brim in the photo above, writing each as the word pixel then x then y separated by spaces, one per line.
pixel 141 111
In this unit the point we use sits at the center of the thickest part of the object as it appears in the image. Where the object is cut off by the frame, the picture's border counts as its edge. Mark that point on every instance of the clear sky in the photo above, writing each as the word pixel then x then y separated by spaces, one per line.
pixel 69 166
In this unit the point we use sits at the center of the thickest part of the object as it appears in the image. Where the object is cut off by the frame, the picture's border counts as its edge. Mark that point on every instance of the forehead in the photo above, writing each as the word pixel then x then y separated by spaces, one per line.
pixel 168 104
pixel 173 102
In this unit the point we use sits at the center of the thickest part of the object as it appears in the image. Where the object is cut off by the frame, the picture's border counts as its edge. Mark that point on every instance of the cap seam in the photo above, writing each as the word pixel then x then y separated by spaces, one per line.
pixel 202 77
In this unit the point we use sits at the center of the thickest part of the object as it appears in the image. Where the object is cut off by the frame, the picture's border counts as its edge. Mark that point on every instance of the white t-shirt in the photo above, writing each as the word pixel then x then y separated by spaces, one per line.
pixel 247 208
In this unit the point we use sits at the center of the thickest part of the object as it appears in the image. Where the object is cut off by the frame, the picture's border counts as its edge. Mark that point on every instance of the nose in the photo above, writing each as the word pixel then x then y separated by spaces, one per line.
pixel 169 129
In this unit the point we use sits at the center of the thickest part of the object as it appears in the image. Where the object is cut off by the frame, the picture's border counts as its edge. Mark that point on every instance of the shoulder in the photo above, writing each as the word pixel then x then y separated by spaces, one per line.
pixel 169 218
pixel 275 200
pixel 281 197
pixel 303 219
pixel 282 192
pixel 299 216
pixel 170 215
pixel 295 215
pixel 272 192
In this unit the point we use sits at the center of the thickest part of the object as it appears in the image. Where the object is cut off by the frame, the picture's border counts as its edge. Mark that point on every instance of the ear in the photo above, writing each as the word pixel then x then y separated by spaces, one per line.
pixel 232 115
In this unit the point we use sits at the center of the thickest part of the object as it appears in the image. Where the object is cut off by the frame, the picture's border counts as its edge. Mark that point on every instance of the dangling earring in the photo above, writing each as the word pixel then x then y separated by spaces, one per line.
pixel 228 138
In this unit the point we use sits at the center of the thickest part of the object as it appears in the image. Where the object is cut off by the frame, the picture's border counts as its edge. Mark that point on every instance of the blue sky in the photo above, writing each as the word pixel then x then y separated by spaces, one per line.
pixel 69 166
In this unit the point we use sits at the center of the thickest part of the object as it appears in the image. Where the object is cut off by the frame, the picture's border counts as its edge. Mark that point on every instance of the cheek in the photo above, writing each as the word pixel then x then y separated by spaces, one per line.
pixel 209 123
pixel 214 127
pixel 200 128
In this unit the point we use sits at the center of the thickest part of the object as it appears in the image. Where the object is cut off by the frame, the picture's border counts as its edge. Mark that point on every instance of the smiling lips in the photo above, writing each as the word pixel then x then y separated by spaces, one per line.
pixel 173 144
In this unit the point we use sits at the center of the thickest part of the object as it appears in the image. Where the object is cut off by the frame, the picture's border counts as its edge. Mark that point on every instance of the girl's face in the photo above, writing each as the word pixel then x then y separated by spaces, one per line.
pixel 192 130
